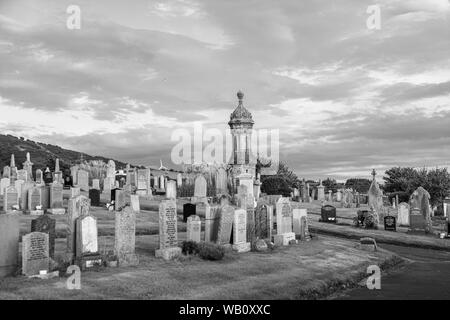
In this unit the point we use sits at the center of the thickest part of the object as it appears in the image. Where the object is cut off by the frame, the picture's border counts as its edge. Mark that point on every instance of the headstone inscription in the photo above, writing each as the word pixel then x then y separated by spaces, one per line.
pixel 35 255
pixel 240 243
pixel 56 199
pixel 168 233
pixel 390 223
pixel 10 199
pixel 47 225
pixel 263 221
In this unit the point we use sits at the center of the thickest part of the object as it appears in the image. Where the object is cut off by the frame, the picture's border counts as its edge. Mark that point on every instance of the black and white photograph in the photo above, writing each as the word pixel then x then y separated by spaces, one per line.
pixel 222 155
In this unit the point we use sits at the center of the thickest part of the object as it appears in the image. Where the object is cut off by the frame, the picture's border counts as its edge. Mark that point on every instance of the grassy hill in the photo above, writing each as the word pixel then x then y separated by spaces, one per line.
pixel 41 154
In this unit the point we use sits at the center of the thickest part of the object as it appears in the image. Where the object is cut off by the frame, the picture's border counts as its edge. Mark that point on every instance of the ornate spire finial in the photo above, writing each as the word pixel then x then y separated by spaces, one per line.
pixel 240 96
pixel 374 173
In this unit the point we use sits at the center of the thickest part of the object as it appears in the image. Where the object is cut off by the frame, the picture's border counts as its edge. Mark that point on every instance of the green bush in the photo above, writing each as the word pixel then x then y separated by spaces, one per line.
pixel 211 251
pixel 189 247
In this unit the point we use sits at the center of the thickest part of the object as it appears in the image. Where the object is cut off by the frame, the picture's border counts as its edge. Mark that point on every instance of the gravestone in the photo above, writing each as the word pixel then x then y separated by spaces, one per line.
pixel 189 209
pixel 250 228
pixel 135 205
pixel 22 175
pixel 94 195
pixel 24 195
pixel 86 250
pixel 6 172
pixel 304 233
pixel 47 225
pixel 35 255
pixel 39 177
pixel 77 207
pixel 96 184
pixel 212 219
pixel 240 243
pixel 263 221
pixel 56 199
pixel 297 215
pixel 403 214
pixel 221 181
pixel 225 225
pixel 420 200
pixel 34 201
pixel 390 223
pixel 68 182
pixel 48 177
pixel 4 182
pixel 171 189
pixel 9 244
pixel 18 185
pixel 125 237
pixel 143 177
pixel 417 221
pixel 83 180
pixel 284 223
pixel 328 214
pixel 10 199
pixel 45 197
pixel 284 216
pixel 119 201
pixel 168 233
pixel 200 189
pixel 193 228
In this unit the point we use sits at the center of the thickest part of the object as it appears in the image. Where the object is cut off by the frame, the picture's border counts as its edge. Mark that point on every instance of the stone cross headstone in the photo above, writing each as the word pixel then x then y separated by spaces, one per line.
pixel 35 253
pixel 225 225
pixel 9 244
pixel 193 229
pixel 47 225
pixel 125 237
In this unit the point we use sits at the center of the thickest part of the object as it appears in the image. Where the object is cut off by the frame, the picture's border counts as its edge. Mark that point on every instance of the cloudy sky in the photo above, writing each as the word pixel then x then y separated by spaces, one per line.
pixel 344 98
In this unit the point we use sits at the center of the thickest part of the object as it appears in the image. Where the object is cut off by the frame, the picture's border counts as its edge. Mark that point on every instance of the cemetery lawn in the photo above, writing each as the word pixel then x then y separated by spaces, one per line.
pixel 307 270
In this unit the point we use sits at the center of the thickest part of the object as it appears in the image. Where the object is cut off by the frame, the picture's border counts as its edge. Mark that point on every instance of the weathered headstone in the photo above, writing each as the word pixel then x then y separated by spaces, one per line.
pixel 135 204
pixel 263 221
pixel 10 199
pixel 34 201
pixel 83 180
pixel 212 219
pixel 171 189
pixel 4 182
pixel 9 244
pixel 56 199
pixel 24 195
pixel 297 215
pixel 420 200
pixel 77 207
pixel 47 225
pixel 45 197
pixel 87 242
pixel 390 223
pixel 22 175
pixel 96 184
pixel 304 233
pixel 221 181
pixel 284 222
pixel 403 214
pixel 199 189
pixel 225 225
pixel 39 177
pixel 193 228
pixel 119 201
pixel 240 243
pixel 35 255
pixel 125 237
pixel 168 233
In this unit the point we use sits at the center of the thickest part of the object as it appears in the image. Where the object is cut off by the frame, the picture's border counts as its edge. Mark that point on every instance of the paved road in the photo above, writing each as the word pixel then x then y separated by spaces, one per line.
pixel 427 276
